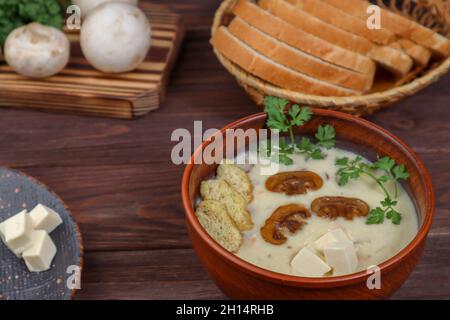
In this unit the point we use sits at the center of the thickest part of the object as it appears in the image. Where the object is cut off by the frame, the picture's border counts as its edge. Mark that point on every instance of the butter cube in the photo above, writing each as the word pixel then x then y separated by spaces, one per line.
pixel 334 235
pixel 306 263
pixel 17 232
pixel 341 256
pixel 45 218
pixel 38 257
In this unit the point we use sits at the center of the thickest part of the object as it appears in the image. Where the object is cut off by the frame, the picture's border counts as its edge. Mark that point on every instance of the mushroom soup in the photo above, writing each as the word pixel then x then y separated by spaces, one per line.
pixel 307 224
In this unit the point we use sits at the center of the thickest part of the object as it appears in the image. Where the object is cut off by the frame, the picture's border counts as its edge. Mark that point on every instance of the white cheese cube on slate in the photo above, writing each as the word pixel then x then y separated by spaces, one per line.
pixel 341 256
pixel 38 257
pixel 2 231
pixel 307 264
pixel 45 218
pixel 17 232
pixel 17 252
pixel 334 235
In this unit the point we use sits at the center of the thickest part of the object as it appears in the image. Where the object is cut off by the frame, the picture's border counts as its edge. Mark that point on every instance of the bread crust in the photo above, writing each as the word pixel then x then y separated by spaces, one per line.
pixel 304 41
pixel 264 68
pixel 419 54
pixel 298 60
pixel 402 26
pixel 393 60
pixel 309 23
pixel 345 21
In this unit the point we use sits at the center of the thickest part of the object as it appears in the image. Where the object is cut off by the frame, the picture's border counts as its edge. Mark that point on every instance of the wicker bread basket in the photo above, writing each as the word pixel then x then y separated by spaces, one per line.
pixel 434 14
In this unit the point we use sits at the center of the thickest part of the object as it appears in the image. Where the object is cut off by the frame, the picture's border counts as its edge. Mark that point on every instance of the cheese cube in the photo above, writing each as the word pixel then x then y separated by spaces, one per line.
pixel 306 263
pixel 17 232
pixel 334 235
pixel 18 252
pixel 341 256
pixel 45 218
pixel 2 231
pixel 38 257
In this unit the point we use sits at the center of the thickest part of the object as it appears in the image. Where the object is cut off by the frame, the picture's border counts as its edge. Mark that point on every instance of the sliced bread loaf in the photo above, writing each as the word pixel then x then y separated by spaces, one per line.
pixel 393 60
pixel 214 218
pixel 345 21
pixel 419 54
pixel 298 60
pixel 400 25
pixel 309 23
pixel 268 70
pixel 304 41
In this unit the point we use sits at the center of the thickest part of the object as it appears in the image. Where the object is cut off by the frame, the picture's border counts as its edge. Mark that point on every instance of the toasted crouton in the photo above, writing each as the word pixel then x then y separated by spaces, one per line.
pixel 214 218
pixel 237 178
pixel 236 205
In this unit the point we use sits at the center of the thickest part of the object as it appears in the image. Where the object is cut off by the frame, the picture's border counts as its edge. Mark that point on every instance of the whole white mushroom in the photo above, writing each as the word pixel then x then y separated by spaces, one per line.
pixel 115 37
pixel 86 6
pixel 37 51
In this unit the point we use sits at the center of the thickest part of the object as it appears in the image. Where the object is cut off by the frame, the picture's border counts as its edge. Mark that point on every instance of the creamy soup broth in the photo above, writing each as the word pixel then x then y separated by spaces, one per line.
pixel 374 243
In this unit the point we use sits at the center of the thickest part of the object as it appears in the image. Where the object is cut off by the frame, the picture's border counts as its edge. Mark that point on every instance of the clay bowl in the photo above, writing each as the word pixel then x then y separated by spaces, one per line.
pixel 241 280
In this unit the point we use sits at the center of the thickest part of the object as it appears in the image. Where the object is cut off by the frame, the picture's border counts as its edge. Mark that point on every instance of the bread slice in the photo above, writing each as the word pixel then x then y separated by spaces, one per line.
pixel 304 41
pixel 268 70
pixel 420 55
pixel 237 178
pixel 387 58
pixel 236 205
pixel 394 60
pixel 307 22
pixel 345 21
pixel 298 60
pixel 214 218
pixel 402 26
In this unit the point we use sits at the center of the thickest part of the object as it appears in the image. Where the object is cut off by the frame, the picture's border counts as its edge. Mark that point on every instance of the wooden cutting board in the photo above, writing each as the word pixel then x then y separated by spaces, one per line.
pixel 82 90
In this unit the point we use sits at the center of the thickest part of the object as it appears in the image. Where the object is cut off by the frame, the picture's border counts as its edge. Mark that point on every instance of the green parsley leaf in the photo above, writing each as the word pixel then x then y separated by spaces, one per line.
pixel 277 120
pixel 383 179
pixel 388 202
pixel 376 216
pixel 394 216
pixel 342 161
pixel 286 160
pixel 296 116
pixel 299 115
pixel 309 149
pixel 326 136
pixel 385 164
pixel 354 169
pixel 400 172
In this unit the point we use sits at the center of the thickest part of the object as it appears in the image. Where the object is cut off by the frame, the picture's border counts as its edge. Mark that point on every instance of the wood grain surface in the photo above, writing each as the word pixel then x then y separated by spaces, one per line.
pixel 81 89
pixel 118 180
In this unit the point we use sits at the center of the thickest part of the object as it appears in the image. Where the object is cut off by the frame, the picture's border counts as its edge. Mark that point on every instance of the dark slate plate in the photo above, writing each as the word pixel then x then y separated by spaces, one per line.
pixel 18 192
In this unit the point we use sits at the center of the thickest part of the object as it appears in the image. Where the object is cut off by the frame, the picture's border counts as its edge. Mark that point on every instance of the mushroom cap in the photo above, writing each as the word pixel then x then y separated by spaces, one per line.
pixel 115 37
pixel 87 6
pixel 37 51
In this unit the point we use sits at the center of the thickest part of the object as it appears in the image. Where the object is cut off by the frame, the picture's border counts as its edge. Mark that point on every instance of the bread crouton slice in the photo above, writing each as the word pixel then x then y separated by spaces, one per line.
pixel 213 216
pixel 236 205
pixel 237 178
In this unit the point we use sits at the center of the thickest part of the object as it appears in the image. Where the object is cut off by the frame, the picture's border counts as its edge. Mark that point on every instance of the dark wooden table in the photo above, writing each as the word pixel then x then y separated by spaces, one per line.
pixel 118 179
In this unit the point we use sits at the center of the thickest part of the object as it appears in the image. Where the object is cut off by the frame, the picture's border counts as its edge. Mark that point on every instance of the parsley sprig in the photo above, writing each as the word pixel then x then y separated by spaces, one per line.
pixel 353 169
pixel 285 122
